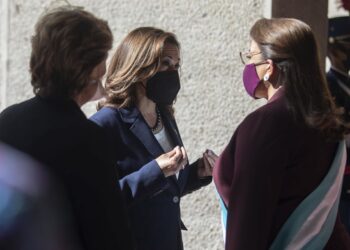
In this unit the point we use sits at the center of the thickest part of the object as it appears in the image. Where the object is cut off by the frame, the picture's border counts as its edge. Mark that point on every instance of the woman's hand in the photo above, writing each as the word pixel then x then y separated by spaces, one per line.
pixel 206 164
pixel 172 162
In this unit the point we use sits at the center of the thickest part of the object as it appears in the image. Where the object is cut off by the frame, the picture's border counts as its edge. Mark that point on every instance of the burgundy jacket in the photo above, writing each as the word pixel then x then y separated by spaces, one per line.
pixel 270 165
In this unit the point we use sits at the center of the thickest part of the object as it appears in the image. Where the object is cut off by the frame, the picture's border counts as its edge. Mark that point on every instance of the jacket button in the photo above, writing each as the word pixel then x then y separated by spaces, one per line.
pixel 175 199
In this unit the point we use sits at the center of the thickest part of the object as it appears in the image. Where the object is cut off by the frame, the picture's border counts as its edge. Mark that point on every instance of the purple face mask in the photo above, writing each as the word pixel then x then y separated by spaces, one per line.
pixel 251 79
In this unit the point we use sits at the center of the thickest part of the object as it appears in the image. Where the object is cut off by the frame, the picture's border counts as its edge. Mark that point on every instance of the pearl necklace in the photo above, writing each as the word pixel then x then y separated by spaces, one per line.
pixel 159 125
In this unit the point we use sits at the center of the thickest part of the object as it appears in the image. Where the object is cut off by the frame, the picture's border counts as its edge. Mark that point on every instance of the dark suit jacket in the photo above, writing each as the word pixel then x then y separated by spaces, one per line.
pixel 75 150
pixel 270 165
pixel 342 98
pixel 154 201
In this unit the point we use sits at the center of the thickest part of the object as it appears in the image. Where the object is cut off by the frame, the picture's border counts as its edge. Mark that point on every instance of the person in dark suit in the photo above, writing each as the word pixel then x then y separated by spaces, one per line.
pixel 69 50
pixel 142 84
pixel 279 179
pixel 339 84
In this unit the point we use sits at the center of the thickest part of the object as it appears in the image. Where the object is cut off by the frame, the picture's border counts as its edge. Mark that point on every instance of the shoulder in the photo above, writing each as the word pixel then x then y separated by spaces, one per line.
pixel 106 117
pixel 17 114
pixel 270 113
pixel 115 122
pixel 110 117
pixel 18 108
pixel 268 121
pixel 90 136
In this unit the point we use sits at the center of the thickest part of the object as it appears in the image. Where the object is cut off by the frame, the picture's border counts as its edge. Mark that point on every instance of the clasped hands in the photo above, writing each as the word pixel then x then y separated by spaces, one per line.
pixel 172 162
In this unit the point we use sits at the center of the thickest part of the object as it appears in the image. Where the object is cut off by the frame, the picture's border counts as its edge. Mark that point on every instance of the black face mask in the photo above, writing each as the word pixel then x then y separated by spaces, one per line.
pixel 162 88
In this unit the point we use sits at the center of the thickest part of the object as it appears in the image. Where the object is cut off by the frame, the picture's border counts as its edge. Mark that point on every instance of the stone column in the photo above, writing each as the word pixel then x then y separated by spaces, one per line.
pixel 312 12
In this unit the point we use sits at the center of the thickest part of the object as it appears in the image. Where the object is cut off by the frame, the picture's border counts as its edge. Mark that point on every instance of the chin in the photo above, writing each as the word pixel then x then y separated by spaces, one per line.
pixel 259 95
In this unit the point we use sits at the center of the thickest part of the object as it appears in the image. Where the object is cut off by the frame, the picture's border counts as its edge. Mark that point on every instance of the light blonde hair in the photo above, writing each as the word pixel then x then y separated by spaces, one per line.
pixel 136 59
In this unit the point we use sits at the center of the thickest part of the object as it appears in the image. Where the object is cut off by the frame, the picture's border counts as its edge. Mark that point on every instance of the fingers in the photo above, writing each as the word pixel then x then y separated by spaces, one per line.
pixel 174 155
pixel 211 157
pixel 177 160
pixel 204 167
pixel 207 166
pixel 184 161
pixel 173 161
pixel 211 154
pixel 173 152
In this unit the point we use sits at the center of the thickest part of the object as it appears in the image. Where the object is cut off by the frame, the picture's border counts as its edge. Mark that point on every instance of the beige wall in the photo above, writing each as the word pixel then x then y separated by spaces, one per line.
pixel 212 100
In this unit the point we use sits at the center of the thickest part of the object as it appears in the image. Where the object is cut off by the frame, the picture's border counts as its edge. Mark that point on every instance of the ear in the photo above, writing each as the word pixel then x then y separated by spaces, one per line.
pixel 270 67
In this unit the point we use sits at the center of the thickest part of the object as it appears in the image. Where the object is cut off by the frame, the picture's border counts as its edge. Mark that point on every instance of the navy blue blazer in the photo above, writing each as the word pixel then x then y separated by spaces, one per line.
pixel 153 199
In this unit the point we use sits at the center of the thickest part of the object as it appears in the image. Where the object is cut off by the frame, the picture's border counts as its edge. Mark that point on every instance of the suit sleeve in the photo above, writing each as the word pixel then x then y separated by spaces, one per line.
pixel 145 182
pixel 256 184
pixel 194 182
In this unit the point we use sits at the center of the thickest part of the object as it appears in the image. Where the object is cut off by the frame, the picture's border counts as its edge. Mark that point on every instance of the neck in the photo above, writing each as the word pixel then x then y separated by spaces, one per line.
pixel 145 105
pixel 271 91
pixel 79 100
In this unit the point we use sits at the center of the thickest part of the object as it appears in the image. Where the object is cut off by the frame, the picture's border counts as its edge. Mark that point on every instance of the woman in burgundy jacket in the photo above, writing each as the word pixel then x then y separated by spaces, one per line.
pixel 279 178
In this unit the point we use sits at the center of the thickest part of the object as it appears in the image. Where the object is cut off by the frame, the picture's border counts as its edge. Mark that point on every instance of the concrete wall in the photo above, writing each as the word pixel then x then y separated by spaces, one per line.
pixel 301 10
pixel 212 100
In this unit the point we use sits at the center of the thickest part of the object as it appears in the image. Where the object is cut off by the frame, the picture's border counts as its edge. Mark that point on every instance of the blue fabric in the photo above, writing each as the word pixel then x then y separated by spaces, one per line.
pixel 298 217
pixel 12 204
pixel 321 239
pixel 307 206
pixel 223 212
pixel 153 200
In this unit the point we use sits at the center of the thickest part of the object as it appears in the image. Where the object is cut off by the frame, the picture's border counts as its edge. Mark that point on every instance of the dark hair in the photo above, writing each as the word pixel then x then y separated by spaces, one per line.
pixel 68 44
pixel 136 59
pixel 292 47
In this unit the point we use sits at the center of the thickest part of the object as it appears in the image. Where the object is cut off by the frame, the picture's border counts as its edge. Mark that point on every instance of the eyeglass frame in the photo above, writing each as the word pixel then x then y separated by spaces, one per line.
pixel 241 54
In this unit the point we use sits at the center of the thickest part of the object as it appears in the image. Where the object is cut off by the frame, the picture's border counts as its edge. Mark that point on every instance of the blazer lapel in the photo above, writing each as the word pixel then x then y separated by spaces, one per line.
pixel 170 124
pixel 173 131
pixel 140 129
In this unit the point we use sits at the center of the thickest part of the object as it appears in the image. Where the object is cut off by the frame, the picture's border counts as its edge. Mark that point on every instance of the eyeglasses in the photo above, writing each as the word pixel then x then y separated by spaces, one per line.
pixel 246 56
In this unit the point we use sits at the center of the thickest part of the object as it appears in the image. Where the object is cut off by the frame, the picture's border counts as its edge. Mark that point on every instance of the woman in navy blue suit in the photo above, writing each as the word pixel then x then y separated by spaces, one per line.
pixel 142 84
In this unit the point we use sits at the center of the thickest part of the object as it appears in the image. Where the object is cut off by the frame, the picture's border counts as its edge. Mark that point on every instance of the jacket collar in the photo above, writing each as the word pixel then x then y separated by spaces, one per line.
pixel 140 129
pixel 66 105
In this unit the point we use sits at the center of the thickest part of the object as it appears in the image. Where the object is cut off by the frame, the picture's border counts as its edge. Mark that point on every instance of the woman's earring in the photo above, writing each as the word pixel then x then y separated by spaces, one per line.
pixel 266 82
pixel 266 77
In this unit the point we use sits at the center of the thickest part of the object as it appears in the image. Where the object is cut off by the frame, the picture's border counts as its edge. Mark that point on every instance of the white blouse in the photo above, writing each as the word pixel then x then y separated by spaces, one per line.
pixel 165 141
